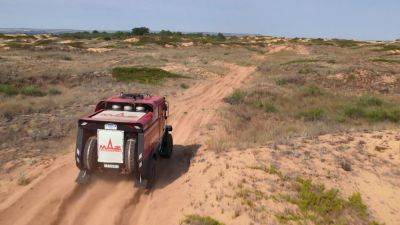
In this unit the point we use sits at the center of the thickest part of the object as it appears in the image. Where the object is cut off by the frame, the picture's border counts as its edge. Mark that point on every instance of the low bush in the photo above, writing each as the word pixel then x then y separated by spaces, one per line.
pixel 43 42
pixel 32 91
pixel 54 91
pixel 312 91
pixel 8 89
pixel 142 75
pixel 184 86
pixel 322 206
pixel 298 61
pixel 236 97
pixel 389 47
pixel 345 43
pixel 367 100
pixel 23 180
pixel 313 114
pixel 200 220
pixel 385 60
pixel 77 44
pixel 17 45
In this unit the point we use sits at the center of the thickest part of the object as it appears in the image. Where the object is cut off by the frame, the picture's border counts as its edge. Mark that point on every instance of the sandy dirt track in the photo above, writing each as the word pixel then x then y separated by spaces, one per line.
pixel 54 198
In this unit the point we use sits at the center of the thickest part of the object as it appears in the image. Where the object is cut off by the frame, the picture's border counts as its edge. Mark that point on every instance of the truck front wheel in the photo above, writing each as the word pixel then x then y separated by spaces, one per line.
pixel 90 154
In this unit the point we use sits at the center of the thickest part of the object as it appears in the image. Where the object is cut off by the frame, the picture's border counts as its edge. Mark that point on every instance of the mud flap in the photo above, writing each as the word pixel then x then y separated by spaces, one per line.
pixel 140 180
pixel 141 183
pixel 83 177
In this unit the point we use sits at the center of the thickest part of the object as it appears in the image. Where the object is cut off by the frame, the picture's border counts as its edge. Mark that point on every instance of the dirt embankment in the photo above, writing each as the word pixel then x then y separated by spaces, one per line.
pixel 54 198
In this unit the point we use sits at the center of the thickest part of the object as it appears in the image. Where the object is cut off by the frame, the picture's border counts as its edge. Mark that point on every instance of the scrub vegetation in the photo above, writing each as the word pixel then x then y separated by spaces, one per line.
pixel 142 74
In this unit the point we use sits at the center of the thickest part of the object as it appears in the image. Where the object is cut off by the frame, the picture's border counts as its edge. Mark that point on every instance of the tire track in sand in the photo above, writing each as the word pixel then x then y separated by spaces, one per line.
pixel 188 114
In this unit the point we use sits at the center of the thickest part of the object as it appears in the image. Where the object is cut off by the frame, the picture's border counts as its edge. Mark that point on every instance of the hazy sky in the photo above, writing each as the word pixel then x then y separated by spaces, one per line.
pixel 362 19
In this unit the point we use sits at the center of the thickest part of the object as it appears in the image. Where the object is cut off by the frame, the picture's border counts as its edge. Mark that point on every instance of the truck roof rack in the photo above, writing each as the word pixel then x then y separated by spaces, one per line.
pixel 133 95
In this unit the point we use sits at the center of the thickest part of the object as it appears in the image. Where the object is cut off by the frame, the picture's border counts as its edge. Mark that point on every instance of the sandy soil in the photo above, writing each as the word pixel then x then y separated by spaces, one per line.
pixel 196 180
pixel 54 198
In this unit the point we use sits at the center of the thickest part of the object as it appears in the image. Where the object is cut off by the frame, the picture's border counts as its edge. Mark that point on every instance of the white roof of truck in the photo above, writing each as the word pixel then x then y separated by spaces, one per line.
pixel 112 115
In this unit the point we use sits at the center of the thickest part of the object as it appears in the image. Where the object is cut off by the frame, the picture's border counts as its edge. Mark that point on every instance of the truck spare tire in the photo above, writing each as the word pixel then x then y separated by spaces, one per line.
pixel 90 154
pixel 130 155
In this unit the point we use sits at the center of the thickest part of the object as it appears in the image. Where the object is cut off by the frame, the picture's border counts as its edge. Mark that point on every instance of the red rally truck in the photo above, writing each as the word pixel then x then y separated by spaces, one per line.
pixel 126 133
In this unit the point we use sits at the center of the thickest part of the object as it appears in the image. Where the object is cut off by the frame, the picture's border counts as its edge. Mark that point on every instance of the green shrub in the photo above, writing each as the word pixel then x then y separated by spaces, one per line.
pixel 77 44
pixel 301 61
pixel 236 98
pixel 200 220
pixel 43 42
pixel 375 115
pixel 331 61
pixel 385 60
pixel 370 101
pixel 379 114
pixel 281 82
pixel 356 203
pixel 353 111
pixel 23 180
pixel 184 86
pixel 316 198
pixel 54 91
pixel 313 91
pixel 313 114
pixel 389 47
pixel 268 107
pixel 142 74
pixel 17 45
pixel 8 89
pixel 32 91
pixel 306 70
pixel 393 115
pixel 345 43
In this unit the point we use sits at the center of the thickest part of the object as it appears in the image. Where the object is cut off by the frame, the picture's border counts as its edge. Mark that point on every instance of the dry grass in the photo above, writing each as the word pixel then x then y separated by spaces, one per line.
pixel 288 97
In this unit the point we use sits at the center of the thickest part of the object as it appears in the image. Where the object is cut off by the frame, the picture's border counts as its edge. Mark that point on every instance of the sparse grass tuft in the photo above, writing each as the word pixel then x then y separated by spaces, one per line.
pixel 389 47
pixel 345 43
pixel 8 89
pixel 200 220
pixel 367 100
pixel 17 45
pixel 382 60
pixel 76 44
pixel 237 97
pixel 142 75
pixel 54 91
pixel 43 42
pixel 312 114
pixel 23 180
pixel 356 203
pixel 184 86
pixel 312 91
pixel 299 61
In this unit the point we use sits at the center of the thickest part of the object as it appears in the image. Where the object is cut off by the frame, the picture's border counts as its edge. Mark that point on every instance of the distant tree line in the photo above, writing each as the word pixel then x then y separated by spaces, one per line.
pixel 137 31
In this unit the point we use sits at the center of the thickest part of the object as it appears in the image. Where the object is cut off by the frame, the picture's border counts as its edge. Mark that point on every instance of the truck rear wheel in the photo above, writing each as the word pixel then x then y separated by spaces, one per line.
pixel 130 156
pixel 90 154
pixel 167 146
